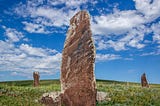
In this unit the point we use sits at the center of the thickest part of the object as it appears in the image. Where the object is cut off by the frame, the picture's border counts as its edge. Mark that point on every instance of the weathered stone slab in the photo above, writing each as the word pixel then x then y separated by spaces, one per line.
pixel 36 77
pixel 77 71
pixel 51 99
pixel 102 96
pixel 144 81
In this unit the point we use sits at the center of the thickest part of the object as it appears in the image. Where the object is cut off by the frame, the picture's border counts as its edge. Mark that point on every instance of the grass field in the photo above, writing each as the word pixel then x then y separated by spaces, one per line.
pixel 22 93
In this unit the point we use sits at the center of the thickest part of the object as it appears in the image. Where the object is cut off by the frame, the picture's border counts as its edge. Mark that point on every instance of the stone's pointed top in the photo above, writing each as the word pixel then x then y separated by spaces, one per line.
pixel 80 16
pixel 35 72
pixel 79 25
pixel 143 75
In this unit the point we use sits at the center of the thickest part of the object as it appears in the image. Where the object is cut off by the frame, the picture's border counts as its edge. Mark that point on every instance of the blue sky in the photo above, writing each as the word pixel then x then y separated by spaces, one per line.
pixel 126 34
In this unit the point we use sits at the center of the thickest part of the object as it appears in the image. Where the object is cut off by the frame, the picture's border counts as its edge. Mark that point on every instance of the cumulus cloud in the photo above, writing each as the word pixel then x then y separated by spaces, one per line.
pixel 107 57
pixel 23 59
pixel 45 16
pixel 26 59
pixel 35 51
pixel 101 44
pixel 34 28
pixel 13 35
pixel 155 28
pixel 56 16
pixel 50 13
pixel 149 8
pixel 117 23
pixel 130 26
pixel 134 38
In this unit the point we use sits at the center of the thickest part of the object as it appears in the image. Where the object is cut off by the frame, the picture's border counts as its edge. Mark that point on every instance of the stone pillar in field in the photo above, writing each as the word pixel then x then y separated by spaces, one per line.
pixel 144 82
pixel 36 79
pixel 77 70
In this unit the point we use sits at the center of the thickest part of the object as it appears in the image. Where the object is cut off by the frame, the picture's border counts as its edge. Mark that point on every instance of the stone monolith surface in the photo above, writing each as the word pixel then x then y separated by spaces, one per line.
pixel 36 77
pixel 144 81
pixel 77 70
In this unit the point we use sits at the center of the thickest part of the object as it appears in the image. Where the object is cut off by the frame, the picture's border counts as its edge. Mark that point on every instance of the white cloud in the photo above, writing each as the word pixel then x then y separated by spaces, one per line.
pixel 133 38
pixel 107 57
pixel 151 53
pixel 56 16
pixel 13 35
pixel 6 47
pixel 35 51
pixel 129 23
pixel 25 59
pixel 117 23
pixel 74 2
pixel 34 28
pixel 45 17
pixel 68 3
pixel 120 22
pixel 101 44
pixel 117 45
pixel 149 8
pixel 156 32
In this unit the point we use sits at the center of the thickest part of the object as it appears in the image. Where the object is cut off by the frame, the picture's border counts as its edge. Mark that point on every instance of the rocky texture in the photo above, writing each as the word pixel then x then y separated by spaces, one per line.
pixel 51 99
pixel 144 82
pixel 102 96
pixel 54 98
pixel 77 70
pixel 36 79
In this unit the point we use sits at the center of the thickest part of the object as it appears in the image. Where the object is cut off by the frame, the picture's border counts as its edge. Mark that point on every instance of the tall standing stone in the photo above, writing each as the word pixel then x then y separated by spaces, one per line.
pixel 36 79
pixel 77 70
pixel 144 82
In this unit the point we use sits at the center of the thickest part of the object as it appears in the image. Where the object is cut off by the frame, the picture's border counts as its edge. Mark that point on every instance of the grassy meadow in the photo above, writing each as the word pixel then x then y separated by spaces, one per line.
pixel 22 93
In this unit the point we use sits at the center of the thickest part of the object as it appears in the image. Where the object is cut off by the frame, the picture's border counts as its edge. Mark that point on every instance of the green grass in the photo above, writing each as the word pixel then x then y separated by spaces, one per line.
pixel 22 93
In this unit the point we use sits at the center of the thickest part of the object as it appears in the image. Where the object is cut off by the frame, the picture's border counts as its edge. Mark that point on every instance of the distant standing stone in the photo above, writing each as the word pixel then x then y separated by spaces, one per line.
pixel 36 79
pixel 144 82
pixel 77 71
